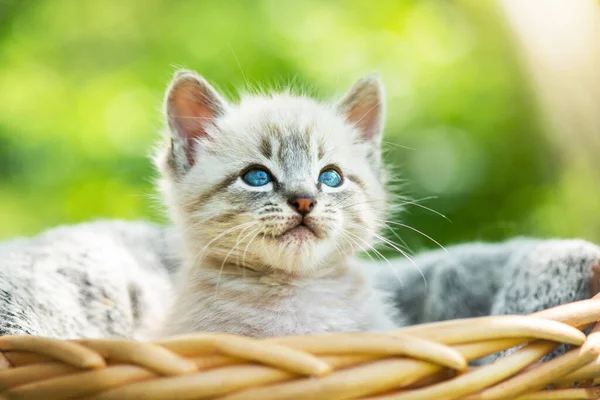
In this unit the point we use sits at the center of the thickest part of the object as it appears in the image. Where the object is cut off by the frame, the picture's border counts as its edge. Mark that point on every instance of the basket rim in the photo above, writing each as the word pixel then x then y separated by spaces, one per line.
pixel 424 361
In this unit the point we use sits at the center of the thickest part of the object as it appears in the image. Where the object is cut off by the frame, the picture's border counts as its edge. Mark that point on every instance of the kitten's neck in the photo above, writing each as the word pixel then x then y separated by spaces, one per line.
pixel 267 273
pixel 276 303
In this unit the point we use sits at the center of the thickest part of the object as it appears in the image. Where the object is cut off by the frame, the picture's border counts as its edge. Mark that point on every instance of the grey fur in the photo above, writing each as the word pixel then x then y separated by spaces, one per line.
pixel 98 279
pixel 519 276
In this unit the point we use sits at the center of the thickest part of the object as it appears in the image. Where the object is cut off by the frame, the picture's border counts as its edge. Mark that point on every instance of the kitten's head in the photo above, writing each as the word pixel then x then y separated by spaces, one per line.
pixel 278 181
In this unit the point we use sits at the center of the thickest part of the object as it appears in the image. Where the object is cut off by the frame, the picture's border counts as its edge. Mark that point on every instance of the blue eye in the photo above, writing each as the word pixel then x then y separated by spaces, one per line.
pixel 330 177
pixel 257 177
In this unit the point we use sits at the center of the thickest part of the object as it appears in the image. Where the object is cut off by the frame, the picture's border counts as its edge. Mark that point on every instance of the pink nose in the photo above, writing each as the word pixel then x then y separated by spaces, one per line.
pixel 303 205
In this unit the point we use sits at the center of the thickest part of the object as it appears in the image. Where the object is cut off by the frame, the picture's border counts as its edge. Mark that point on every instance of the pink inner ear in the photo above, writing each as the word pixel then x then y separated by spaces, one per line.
pixel 190 120
pixel 366 116
pixel 191 108
pixel 363 107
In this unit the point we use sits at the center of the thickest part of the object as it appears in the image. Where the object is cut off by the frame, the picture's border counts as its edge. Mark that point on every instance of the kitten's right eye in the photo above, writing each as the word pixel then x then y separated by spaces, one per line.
pixel 257 177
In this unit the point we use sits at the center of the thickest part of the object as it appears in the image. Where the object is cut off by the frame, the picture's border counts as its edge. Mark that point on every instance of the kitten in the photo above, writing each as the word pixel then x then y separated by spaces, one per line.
pixel 271 197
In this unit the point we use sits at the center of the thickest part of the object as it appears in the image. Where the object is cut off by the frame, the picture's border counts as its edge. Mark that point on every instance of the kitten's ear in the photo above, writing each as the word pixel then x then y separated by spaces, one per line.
pixel 191 107
pixel 364 107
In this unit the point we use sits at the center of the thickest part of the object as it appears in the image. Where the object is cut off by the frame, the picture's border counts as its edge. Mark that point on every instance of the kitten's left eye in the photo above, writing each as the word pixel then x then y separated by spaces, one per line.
pixel 330 177
pixel 257 177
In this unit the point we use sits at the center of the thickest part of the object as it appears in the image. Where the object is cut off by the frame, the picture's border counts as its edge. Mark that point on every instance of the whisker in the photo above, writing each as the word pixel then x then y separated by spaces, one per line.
pixel 350 241
pixel 404 203
pixel 418 231
pixel 238 241
pixel 397 236
pixel 218 237
pixel 239 66
pixel 338 248
pixel 396 145
pixel 395 247
pixel 426 208
pixel 368 245
pixel 248 246
pixel 377 104
pixel 381 255
pixel 364 202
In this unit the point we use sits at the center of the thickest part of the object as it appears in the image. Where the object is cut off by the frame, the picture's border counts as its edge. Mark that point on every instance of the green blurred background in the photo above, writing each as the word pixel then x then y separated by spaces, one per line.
pixel 81 84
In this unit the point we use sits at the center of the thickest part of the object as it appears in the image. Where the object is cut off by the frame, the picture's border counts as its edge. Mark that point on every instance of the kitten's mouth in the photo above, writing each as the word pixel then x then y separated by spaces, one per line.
pixel 300 231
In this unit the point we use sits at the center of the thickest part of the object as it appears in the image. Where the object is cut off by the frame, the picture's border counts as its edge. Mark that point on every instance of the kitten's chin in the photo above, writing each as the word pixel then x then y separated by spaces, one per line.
pixel 298 251
pixel 298 236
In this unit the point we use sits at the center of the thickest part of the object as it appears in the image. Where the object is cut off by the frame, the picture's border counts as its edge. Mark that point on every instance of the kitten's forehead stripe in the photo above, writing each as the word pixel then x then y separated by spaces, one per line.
pixel 273 129
pixel 358 181
pixel 266 148
pixel 294 152
pixel 212 191
pixel 281 152
pixel 321 150
pixel 224 218
pixel 308 132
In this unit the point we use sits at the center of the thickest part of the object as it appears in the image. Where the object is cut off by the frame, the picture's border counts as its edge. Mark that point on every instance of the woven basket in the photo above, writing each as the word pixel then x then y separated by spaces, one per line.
pixel 428 361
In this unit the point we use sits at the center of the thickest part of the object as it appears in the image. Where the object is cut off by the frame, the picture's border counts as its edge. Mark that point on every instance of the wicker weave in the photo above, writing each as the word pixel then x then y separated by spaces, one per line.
pixel 428 361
